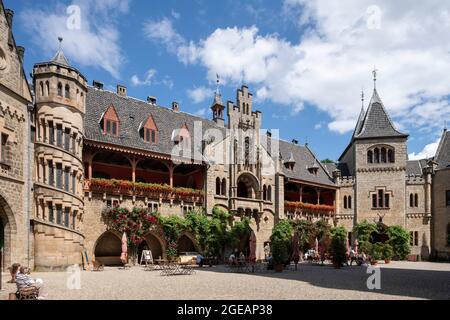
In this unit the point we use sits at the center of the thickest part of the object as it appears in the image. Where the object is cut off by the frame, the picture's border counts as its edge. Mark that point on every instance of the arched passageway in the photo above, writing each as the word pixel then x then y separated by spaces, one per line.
pixel 247 186
pixel 185 244
pixel 108 249
pixel 7 231
pixel 155 246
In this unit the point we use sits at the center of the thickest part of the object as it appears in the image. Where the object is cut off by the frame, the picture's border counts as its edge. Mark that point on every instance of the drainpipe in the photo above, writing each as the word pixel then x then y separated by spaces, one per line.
pixel 29 181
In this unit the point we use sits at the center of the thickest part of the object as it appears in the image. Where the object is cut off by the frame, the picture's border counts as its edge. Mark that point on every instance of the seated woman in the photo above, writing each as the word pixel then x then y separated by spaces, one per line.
pixel 24 281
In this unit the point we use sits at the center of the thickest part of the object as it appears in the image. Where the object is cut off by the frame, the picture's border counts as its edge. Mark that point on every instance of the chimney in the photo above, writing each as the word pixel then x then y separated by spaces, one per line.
pixel 121 90
pixel 294 141
pixel 151 100
pixel 21 53
pixel 97 84
pixel 175 107
pixel 9 17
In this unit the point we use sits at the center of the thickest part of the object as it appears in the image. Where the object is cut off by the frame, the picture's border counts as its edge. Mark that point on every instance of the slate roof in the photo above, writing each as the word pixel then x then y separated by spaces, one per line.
pixel 330 167
pixel 376 122
pixel 304 158
pixel 60 59
pixel 414 167
pixel 132 113
pixel 442 157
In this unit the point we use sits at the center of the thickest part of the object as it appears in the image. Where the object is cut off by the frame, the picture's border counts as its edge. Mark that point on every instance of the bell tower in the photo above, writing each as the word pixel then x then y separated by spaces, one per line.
pixel 218 107
pixel 60 92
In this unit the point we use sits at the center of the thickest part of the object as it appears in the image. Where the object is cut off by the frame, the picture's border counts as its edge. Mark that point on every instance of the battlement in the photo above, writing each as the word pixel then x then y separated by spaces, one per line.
pixel 347 181
pixel 415 179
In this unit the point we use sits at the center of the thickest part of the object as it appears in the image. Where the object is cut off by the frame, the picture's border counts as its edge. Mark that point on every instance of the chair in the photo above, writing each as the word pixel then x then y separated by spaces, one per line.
pixel 28 293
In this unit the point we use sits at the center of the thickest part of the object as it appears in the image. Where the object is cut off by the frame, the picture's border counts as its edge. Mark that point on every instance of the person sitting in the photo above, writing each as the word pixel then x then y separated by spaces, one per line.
pixel 24 281
pixel 352 256
pixel 200 260
pixel 241 258
pixel 232 259
pixel 14 269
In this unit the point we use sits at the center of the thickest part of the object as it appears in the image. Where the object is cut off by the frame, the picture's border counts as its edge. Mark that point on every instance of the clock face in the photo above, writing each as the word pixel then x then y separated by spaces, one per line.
pixel 3 64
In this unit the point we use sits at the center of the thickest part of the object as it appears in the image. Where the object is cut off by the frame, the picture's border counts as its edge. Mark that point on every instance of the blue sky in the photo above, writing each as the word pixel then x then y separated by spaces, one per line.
pixel 305 61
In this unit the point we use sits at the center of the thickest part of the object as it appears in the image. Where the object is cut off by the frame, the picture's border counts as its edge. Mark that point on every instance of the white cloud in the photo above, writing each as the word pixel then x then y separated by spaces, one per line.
pixel 200 94
pixel 175 14
pixel 339 44
pixel 149 78
pixel 95 44
pixel 428 151
pixel 318 126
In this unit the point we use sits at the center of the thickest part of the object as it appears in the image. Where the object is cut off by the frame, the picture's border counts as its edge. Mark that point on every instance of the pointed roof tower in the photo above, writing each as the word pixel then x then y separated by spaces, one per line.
pixel 217 106
pixel 59 57
pixel 376 122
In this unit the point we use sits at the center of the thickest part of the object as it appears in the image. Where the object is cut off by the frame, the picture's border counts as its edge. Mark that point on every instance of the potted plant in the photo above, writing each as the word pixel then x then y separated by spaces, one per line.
pixel 388 252
pixel 279 254
pixel 338 248
pixel 377 253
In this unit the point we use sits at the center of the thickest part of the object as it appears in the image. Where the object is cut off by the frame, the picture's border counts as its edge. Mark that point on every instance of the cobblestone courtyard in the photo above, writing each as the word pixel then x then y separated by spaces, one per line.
pixel 399 280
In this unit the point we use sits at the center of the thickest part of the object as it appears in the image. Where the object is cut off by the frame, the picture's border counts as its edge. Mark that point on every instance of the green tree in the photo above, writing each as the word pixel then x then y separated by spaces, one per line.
pixel 306 233
pixel 280 241
pixel 399 240
pixel 363 230
pixel 338 247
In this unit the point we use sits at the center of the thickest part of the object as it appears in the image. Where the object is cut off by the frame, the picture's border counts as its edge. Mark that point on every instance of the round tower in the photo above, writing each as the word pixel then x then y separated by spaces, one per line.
pixel 60 95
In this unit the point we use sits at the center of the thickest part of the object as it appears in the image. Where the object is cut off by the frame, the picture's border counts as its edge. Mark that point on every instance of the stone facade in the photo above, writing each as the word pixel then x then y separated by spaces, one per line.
pixel 56 142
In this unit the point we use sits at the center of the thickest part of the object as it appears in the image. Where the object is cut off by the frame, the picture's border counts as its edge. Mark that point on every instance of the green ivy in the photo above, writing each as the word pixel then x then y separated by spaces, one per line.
pixel 399 240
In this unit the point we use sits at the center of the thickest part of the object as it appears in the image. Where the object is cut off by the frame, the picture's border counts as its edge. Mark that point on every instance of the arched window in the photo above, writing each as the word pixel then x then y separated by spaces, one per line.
pixel 391 156
pixel 416 200
pixel 383 155
pixel 369 156
pixel 67 92
pixel 47 87
pixel 345 202
pixel 224 187
pixel 41 86
pixel 269 193
pixel 349 202
pixel 60 88
pixel 376 154
pixel 218 186
pixel 248 109
pixel 264 192
pixel 411 200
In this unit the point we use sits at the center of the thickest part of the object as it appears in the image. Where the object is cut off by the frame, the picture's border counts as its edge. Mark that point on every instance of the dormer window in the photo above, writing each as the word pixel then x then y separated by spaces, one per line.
pixel 182 137
pixel 149 131
pixel 110 122
pixel 290 163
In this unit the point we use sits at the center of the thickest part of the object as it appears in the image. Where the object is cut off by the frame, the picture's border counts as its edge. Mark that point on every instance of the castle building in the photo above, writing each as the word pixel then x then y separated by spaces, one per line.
pixel 69 150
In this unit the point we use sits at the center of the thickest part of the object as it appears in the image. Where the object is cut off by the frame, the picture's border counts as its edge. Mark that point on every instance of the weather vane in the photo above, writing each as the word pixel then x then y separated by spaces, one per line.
pixel 362 97
pixel 218 83
pixel 60 39
pixel 374 72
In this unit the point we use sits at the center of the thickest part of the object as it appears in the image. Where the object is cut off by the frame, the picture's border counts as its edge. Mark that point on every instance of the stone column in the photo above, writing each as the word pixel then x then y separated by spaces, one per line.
pixel 318 195
pixel 301 193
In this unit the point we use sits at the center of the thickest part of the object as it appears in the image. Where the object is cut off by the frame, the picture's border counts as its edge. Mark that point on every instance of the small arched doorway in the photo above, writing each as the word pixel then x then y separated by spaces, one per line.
pixel 108 249
pixel 186 244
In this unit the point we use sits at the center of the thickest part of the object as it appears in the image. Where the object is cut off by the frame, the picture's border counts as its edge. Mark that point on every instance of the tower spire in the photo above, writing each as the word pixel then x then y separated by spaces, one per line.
pixel 374 72
pixel 59 57
pixel 362 98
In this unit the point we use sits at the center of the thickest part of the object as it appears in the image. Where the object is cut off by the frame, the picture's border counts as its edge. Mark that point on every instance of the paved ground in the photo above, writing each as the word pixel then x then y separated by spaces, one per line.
pixel 399 280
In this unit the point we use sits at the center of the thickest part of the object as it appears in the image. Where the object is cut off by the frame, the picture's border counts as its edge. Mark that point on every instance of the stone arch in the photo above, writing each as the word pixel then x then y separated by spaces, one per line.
pixel 108 248
pixel 156 245
pixel 248 186
pixel 8 229
pixel 187 243
pixel 221 207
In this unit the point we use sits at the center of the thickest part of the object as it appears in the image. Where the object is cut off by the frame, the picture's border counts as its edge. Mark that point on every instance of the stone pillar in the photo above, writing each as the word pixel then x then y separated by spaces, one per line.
pixel 318 195
pixel 301 193
pixel 171 169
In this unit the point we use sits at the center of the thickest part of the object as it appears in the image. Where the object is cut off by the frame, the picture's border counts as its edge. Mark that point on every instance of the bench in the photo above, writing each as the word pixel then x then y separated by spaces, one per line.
pixel 29 293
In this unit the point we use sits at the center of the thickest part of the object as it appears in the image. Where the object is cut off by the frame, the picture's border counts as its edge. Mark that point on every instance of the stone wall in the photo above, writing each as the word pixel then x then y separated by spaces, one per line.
pixel 441 213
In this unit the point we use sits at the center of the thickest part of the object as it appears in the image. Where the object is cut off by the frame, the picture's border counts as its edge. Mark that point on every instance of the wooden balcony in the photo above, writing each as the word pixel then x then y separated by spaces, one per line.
pixel 143 190
pixel 308 208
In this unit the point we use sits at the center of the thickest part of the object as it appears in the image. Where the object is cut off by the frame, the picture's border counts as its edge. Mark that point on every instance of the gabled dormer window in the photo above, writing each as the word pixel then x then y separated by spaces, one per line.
pixel 149 131
pixel 110 122
pixel 182 137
